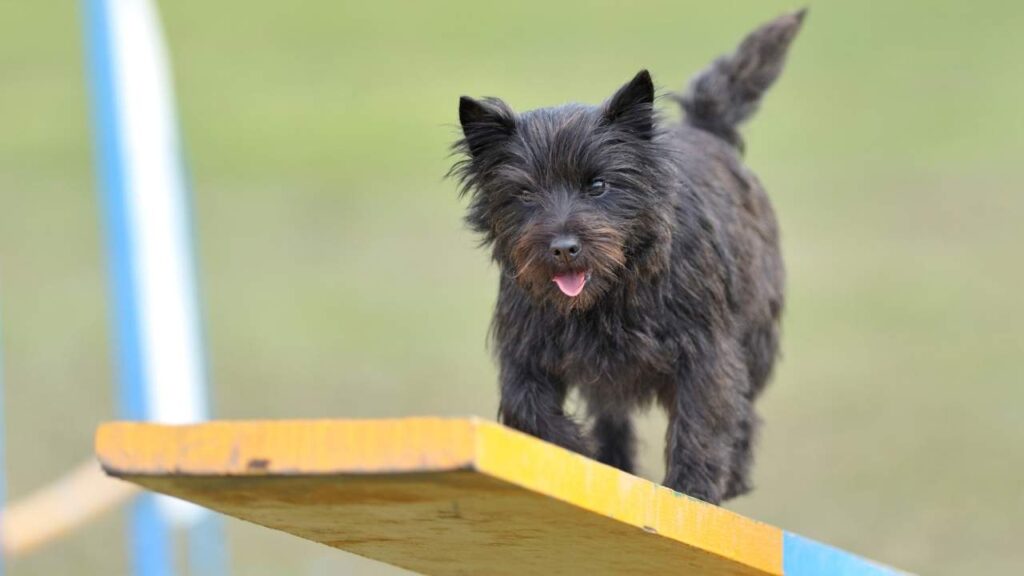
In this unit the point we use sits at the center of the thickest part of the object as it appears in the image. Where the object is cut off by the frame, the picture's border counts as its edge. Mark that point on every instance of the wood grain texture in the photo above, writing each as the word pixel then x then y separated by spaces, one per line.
pixel 440 496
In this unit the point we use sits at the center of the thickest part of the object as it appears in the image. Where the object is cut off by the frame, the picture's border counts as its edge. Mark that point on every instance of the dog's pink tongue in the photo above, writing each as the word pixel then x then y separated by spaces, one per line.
pixel 571 284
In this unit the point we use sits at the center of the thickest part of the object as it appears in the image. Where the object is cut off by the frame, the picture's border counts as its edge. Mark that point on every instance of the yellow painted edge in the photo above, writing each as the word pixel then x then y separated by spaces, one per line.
pixel 540 467
pixel 323 447
pixel 286 447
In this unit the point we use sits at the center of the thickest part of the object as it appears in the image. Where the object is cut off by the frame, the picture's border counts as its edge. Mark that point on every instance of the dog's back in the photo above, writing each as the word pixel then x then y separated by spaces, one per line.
pixel 736 208
pixel 740 218
pixel 718 100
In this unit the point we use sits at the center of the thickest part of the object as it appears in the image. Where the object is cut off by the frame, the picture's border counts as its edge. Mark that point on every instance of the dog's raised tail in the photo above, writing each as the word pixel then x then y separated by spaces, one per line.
pixel 728 92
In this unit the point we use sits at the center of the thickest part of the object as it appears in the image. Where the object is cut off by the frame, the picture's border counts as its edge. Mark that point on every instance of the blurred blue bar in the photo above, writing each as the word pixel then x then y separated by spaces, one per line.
pixel 206 551
pixel 149 533
pixel 805 557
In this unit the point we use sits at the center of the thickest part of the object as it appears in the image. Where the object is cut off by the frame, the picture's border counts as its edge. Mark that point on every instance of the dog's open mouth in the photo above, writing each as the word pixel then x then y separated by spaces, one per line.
pixel 571 283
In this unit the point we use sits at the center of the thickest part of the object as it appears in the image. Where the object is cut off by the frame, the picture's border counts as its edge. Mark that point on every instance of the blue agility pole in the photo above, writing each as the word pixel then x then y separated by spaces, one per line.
pixel 161 373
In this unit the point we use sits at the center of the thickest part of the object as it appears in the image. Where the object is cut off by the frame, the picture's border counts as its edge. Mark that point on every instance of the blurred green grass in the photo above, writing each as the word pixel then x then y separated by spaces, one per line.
pixel 338 279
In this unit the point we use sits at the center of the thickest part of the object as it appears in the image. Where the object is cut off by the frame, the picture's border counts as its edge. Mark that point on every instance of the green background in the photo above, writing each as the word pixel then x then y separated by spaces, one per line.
pixel 338 279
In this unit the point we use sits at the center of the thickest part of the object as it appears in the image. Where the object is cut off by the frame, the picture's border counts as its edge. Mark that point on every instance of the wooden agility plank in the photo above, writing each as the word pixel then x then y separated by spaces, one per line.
pixel 454 496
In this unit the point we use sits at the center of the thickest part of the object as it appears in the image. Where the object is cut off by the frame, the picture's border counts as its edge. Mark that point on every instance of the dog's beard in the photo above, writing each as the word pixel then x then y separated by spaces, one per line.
pixel 569 286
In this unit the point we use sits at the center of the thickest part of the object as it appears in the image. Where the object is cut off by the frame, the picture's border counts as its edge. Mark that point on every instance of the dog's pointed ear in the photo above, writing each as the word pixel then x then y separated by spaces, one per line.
pixel 485 123
pixel 632 106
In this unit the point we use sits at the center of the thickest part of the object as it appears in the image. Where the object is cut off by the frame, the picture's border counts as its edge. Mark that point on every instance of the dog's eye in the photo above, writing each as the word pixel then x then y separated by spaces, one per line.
pixel 597 187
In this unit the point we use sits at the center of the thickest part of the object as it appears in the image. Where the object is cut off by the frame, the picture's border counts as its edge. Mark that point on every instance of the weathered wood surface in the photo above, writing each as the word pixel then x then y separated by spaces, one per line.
pixel 449 496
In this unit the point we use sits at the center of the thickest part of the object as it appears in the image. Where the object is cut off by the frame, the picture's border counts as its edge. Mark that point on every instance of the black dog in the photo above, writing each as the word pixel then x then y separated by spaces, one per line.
pixel 640 262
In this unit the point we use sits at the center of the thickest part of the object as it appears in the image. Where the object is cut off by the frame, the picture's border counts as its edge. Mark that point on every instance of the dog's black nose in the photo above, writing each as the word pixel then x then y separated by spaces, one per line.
pixel 565 247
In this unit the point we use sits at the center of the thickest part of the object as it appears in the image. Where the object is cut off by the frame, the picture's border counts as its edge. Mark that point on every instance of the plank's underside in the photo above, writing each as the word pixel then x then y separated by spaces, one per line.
pixel 446 496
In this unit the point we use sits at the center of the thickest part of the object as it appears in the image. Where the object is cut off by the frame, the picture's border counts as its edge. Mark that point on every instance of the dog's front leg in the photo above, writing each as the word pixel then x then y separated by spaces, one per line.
pixel 705 410
pixel 532 402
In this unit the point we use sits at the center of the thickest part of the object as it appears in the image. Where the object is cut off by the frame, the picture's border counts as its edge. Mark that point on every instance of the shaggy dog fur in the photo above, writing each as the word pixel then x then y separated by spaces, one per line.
pixel 640 262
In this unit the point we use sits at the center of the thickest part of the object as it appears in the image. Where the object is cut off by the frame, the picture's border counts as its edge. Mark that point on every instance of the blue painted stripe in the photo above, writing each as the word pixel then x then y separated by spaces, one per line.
pixel 805 557
pixel 149 536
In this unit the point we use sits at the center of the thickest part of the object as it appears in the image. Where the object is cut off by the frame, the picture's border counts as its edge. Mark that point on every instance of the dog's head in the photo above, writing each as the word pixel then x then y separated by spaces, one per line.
pixel 573 200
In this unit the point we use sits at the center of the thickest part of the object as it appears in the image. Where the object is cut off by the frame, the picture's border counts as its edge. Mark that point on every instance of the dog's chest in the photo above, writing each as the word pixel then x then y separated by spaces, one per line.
pixel 617 359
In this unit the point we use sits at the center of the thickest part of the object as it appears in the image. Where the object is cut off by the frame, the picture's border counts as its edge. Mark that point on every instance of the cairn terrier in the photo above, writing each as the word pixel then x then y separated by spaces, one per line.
pixel 639 262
